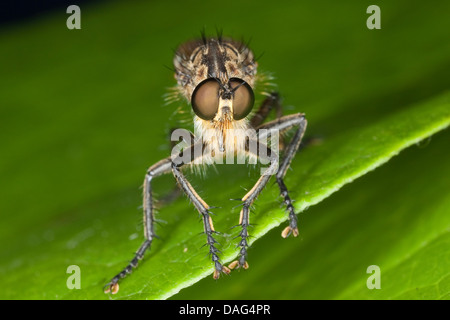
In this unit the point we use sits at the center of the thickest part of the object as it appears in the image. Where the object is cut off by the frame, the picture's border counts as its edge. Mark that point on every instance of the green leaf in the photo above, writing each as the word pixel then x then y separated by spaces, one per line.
pixel 396 218
pixel 83 119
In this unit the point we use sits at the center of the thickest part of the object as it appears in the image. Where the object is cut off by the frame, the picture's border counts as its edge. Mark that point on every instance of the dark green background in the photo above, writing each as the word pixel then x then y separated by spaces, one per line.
pixel 82 117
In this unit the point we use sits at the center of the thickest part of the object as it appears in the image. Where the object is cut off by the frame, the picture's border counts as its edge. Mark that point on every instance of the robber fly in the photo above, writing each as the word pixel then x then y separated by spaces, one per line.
pixel 218 76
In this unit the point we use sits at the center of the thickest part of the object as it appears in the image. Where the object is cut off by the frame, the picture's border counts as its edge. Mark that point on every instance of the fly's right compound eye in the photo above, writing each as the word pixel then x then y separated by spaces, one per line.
pixel 243 98
pixel 205 99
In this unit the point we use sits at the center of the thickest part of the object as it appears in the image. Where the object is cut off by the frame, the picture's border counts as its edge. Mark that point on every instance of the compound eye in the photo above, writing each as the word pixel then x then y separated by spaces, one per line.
pixel 205 99
pixel 243 98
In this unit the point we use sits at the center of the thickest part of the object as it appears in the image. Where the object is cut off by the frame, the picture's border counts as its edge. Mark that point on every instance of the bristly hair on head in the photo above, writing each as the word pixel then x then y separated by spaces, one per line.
pixel 203 35
pixel 219 33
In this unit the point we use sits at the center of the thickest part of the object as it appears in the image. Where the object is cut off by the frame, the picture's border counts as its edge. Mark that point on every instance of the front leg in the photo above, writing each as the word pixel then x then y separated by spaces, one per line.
pixel 203 208
pixel 279 168
pixel 282 124
pixel 250 197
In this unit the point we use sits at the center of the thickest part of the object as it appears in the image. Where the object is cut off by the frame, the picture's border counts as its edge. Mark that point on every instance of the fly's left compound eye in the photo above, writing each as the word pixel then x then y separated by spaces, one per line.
pixel 205 99
pixel 243 98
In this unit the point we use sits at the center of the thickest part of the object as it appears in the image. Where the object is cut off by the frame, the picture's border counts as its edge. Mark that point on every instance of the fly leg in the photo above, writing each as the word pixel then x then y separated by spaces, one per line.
pixel 270 103
pixel 277 168
pixel 159 168
pixel 203 208
pixel 176 191
pixel 296 120
pixel 244 221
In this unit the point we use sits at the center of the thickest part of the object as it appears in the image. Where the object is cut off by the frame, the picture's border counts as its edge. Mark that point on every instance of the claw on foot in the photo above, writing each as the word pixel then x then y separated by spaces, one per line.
pixel 233 264
pixel 236 263
pixel 226 270
pixel 216 273
pixel 113 288
pixel 288 230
